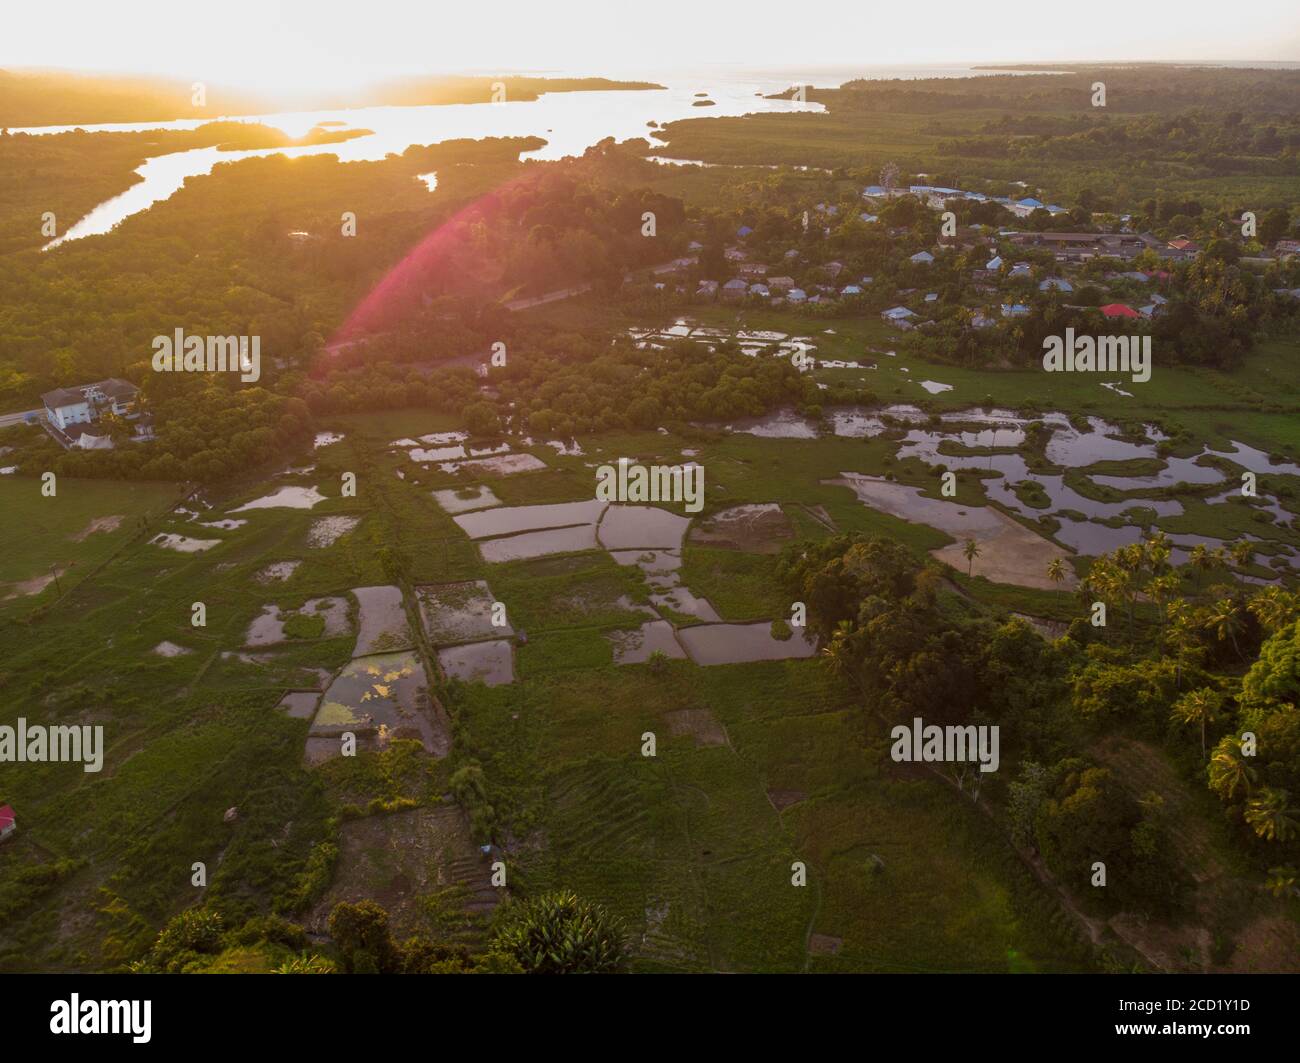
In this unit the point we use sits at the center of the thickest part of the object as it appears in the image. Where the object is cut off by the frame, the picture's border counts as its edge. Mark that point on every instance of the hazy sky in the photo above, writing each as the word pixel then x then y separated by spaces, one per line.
pixel 307 44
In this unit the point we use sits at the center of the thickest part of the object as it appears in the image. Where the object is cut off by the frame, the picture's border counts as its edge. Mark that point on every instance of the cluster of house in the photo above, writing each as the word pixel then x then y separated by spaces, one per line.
pixel 995 269
pixel 75 416
pixel 935 197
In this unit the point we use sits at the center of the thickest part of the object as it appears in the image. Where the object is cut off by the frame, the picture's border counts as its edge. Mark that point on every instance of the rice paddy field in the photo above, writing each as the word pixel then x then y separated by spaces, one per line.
pixel 471 606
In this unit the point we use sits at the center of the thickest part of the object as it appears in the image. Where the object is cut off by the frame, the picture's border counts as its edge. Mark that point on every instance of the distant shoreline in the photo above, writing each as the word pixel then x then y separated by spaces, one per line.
pixel 31 99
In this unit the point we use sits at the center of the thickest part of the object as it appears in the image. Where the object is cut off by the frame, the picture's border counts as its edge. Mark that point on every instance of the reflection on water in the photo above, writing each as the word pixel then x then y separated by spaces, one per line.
pixel 569 122
pixel 459 612
pixel 742 643
pixel 383 624
pixel 491 663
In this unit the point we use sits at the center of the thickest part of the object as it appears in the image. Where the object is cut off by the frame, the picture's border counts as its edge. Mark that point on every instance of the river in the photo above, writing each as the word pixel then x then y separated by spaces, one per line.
pixel 569 122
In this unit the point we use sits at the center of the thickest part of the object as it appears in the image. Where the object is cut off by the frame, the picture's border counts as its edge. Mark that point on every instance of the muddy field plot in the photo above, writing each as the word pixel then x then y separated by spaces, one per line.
pixel 761 528
pixel 417 865
pixel 459 612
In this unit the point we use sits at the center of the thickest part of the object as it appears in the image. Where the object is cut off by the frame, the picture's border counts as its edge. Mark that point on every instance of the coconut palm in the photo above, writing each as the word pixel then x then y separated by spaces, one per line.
pixel 1224 619
pixel 1159 589
pixel 1056 571
pixel 837 651
pixel 1242 552
pixel 1158 548
pixel 1182 632
pixel 970 551
pixel 1200 558
pixel 1270 813
pixel 1130 557
pixel 1200 707
pixel 1229 769
pixel 1272 606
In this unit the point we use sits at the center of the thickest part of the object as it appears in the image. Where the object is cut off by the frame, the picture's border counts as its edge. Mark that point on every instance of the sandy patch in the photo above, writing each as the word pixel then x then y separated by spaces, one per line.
pixel 1014 555
pixel 98 524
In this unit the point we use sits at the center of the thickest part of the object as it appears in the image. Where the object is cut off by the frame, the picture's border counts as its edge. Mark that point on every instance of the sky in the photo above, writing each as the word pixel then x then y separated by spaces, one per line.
pixel 286 46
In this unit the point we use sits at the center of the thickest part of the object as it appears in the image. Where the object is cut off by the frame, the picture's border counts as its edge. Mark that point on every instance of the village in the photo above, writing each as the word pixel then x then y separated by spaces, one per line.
pixel 974 275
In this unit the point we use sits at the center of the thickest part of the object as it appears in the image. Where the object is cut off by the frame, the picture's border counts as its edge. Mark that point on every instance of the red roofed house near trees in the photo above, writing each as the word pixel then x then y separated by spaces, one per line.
pixel 1119 310
pixel 8 822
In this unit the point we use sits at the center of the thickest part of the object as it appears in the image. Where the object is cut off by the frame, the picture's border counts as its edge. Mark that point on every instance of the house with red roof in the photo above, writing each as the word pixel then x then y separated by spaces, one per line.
pixel 8 822
pixel 1119 310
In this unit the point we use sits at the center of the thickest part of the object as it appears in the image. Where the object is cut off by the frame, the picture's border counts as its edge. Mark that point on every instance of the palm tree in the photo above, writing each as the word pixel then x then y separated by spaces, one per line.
pixel 1158 548
pixel 1198 707
pixel 1158 589
pixel 1271 607
pixel 837 651
pixel 1130 557
pixel 1200 558
pixel 1229 770
pixel 970 551
pixel 1271 814
pixel 1242 552
pixel 1056 571
pixel 1225 621
pixel 1117 583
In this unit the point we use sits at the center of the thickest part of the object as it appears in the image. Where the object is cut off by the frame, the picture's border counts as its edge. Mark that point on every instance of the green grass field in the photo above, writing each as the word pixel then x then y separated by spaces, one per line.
pixel 41 532
pixel 687 847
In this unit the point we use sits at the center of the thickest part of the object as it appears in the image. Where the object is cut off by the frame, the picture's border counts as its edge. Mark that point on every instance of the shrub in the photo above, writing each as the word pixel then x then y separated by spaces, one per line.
pixel 559 933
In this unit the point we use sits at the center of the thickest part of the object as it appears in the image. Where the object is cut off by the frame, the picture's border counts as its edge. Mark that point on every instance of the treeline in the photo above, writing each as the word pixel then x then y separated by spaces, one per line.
pixel 563 384
pixel 1151 88
pixel 1203 144
pixel 33 98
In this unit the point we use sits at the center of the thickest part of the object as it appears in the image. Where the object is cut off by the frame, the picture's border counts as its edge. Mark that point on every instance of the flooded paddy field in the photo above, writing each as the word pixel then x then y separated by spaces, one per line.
pixel 742 643
pixel 539 544
pixel 378 698
pixel 639 645
pixel 561 694
pixel 1064 509
pixel 625 527
pixel 382 623
pixel 491 662
pixel 300 704
pixel 459 612
pixel 183 543
pixel 284 497
pixel 507 520
pixel 464 499
pixel 317 618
